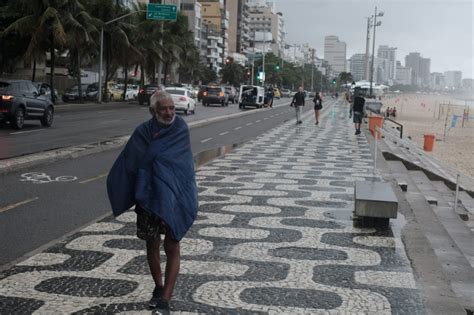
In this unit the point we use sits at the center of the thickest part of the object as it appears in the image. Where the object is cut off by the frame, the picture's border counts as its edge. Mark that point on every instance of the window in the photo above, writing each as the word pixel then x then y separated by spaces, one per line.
pixel 176 92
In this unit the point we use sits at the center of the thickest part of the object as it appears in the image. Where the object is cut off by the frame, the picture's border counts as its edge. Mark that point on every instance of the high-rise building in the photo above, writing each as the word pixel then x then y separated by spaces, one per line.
pixel 420 69
pixel 192 10
pixel 389 54
pixel 335 53
pixel 267 29
pixel 239 29
pixel 453 79
pixel 357 67
pixel 404 74
pixel 216 18
pixel 437 81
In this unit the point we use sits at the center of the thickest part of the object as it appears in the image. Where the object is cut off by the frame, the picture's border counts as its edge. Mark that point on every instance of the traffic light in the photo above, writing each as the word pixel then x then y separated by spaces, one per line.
pixel 334 81
pixel 277 67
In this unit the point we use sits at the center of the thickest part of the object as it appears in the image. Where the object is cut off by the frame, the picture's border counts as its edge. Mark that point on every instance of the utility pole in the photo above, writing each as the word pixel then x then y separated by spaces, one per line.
pixel 373 50
pixel 312 68
pixel 263 58
pixel 367 45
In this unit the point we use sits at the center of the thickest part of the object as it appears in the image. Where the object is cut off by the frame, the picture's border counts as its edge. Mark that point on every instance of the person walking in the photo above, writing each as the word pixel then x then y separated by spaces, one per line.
pixel 298 103
pixel 268 99
pixel 357 111
pixel 318 105
pixel 155 173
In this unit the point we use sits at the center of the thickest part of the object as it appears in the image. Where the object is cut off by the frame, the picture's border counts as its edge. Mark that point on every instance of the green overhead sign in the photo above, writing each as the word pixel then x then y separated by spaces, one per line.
pixel 161 12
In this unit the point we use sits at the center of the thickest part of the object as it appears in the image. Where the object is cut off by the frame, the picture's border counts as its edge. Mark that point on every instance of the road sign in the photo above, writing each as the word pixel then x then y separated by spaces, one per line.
pixel 161 12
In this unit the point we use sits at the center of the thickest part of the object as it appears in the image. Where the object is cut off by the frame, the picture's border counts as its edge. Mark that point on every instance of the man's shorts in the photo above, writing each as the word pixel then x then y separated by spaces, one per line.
pixel 357 118
pixel 149 226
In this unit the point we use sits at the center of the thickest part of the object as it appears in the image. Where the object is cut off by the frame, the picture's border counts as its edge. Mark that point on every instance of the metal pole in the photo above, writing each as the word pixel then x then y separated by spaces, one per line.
pixel 457 194
pixel 312 69
pixel 304 61
pixel 373 54
pixel 102 48
pixel 375 148
pixel 367 47
pixel 253 59
pixel 263 58
pixel 100 62
pixel 160 64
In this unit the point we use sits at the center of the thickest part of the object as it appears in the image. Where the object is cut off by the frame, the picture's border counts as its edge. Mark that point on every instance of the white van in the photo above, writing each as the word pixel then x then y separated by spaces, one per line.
pixel 251 96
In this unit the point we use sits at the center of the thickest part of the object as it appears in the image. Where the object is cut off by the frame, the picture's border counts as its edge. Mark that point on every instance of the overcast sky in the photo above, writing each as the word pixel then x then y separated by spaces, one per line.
pixel 441 30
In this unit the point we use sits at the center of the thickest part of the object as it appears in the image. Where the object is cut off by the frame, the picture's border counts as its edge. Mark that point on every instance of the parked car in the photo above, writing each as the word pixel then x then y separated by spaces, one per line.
pixel 285 93
pixel 92 92
pixel 215 95
pixel 20 100
pixel 132 92
pixel 232 92
pixel 183 99
pixel 201 91
pixel 146 92
pixel 89 92
pixel 115 93
pixel 276 93
pixel 46 88
pixel 251 95
pixel 72 93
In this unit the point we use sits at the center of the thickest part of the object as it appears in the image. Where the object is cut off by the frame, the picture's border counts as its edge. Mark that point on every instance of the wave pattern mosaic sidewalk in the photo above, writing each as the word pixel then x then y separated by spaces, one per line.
pixel 274 234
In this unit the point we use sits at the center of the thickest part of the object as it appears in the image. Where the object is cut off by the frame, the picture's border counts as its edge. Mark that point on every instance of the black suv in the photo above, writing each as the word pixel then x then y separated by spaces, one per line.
pixel 215 95
pixel 145 93
pixel 20 100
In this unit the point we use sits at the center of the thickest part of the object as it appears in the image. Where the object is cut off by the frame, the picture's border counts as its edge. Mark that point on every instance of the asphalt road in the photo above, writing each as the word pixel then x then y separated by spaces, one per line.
pixel 80 124
pixel 62 197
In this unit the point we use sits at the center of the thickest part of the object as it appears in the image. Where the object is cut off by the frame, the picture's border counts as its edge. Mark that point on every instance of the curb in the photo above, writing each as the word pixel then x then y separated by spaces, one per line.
pixel 47 157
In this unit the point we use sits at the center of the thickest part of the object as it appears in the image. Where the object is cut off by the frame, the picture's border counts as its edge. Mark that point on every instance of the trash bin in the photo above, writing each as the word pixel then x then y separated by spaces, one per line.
pixel 429 142
pixel 375 120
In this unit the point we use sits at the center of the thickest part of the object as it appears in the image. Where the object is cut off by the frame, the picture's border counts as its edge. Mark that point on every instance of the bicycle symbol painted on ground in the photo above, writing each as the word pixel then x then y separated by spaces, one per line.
pixel 42 178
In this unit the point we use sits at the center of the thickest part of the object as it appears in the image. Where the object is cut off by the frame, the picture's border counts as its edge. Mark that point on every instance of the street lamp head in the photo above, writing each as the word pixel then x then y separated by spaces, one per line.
pixel 380 13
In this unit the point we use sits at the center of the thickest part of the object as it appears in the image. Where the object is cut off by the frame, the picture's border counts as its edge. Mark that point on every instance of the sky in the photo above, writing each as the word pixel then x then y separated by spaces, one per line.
pixel 441 30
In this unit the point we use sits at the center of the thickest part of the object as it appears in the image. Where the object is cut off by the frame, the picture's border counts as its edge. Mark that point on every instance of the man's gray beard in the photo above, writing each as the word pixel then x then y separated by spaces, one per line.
pixel 165 123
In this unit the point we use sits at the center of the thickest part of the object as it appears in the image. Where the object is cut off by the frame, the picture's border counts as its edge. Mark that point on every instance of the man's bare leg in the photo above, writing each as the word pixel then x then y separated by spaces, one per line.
pixel 173 261
pixel 153 257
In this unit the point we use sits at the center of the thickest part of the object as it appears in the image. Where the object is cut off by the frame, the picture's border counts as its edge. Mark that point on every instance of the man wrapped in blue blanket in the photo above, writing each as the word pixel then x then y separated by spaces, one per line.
pixel 155 173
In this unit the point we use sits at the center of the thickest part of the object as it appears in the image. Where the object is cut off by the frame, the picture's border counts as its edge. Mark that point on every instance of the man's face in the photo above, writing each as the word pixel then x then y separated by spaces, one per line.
pixel 165 112
pixel 301 89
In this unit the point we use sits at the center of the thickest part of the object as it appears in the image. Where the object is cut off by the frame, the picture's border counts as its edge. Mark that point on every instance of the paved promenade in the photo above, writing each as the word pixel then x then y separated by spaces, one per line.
pixel 274 235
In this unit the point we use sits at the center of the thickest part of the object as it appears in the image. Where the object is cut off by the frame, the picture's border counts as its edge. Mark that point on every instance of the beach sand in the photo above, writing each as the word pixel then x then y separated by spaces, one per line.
pixel 426 114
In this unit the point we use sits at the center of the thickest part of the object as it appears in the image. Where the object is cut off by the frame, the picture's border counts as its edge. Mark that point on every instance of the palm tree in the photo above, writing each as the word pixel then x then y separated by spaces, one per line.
pixel 81 28
pixel 42 19
pixel 115 34
pixel 146 41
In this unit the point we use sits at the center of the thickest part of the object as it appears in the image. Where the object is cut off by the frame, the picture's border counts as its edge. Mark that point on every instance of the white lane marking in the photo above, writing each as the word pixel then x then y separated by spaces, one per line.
pixel 106 111
pixel 9 207
pixel 206 140
pixel 258 121
pixel 265 118
pixel 249 124
pixel 29 131
pixel 223 133
pixel 237 128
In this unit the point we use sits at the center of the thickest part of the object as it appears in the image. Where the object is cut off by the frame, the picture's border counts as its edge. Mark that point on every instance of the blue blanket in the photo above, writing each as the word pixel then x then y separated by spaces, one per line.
pixel 156 171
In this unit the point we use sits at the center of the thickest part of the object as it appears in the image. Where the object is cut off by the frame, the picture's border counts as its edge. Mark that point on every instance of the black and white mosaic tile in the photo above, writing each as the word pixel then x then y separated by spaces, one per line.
pixel 274 235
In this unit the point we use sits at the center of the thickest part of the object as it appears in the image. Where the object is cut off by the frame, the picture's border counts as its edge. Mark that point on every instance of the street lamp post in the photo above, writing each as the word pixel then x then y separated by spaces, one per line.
pixel 373 49
pixel 102 47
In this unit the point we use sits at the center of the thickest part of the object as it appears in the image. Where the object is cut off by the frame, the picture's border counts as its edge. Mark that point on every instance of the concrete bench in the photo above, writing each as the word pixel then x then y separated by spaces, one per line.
pixel 375 200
